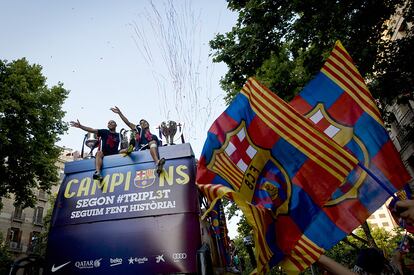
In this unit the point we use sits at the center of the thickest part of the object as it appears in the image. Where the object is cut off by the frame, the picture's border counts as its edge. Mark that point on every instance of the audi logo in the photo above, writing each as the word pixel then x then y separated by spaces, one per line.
pixel 179 256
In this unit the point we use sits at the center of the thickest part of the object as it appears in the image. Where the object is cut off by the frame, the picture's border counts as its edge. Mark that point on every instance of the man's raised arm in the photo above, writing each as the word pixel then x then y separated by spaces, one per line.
pixel 116 110
pixel 77 124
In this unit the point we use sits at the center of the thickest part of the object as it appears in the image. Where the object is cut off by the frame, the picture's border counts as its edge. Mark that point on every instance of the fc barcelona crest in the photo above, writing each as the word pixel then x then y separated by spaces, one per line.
pixel 144 178
pixel 342 135
pixel 252 171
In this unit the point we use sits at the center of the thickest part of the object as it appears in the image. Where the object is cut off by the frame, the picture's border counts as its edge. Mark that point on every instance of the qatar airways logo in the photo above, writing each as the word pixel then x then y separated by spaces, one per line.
pixel 88 264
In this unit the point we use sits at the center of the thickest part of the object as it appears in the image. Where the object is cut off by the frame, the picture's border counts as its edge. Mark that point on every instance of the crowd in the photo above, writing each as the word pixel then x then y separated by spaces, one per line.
pixel 369 260
pixel 373 261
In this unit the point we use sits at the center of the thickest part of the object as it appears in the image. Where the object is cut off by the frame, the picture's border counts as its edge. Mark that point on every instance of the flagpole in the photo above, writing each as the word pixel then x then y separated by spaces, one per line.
pixel 383 185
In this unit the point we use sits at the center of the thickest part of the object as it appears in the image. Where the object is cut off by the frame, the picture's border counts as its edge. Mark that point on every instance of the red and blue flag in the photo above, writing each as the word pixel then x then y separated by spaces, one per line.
pixel 220 232
pixel 277 167
pixel 339 103
pixel 403 194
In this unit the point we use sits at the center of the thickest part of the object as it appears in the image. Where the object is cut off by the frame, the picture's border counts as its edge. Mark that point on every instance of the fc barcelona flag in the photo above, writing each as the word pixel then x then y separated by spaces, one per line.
pixel 218 221
pixel 339 103
pixel 277 167
pixel 404 194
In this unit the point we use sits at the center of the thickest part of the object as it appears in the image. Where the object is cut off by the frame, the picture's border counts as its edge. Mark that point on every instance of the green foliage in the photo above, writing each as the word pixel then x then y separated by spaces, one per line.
pixel 243 228
pixel 346 251
pixel 41 242
pixel 30 123
pixel 394 71
pixel 243 255
pixel 283 75
pixel 387 241
pixel 5 258
pixel 285 43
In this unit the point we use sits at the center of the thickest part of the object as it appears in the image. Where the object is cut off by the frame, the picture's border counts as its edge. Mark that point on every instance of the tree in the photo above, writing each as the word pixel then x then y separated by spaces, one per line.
pixel 5 258
pixel 40 244
pixel 30 123
pixel 346 251
pixel 394 72
pixel 289 40
pixel 284 44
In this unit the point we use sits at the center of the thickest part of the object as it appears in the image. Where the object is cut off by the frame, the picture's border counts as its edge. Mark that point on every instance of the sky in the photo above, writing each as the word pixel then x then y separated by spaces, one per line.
pixel 151 59
pixel 121 53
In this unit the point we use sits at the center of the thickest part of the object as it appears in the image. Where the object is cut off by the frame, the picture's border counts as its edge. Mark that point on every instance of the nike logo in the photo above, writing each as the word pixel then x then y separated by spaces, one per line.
pixel 54 269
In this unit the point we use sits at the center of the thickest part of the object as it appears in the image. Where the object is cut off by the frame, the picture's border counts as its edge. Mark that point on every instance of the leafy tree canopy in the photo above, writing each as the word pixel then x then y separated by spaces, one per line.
pixel 284 43
pixel 30 123
pixel 5 257
pixel 346 251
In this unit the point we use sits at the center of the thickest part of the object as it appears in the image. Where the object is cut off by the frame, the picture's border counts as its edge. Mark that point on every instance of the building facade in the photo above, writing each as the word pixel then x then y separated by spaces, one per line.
pixel 401 128
pixel 402 133
pixel 401 124
pixel 382 219
pixel 21 227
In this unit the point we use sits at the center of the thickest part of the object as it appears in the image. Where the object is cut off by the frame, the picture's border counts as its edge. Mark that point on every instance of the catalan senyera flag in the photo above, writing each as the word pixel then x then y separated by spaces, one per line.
pixel 339 103
pixel 277 167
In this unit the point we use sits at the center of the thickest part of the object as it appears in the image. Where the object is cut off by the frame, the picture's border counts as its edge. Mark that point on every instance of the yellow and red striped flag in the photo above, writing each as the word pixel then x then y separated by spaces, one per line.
pixel 276 166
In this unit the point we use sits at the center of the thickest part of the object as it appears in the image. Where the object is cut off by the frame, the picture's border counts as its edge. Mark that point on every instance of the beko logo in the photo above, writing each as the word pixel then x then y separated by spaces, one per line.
pixel 88 264
pixel 179 256
pixel 114 262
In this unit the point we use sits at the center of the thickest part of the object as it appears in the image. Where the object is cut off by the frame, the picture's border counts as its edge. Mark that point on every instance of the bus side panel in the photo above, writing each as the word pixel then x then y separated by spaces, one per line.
pixel 150 245
pixel 133 222
pixel 129 191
